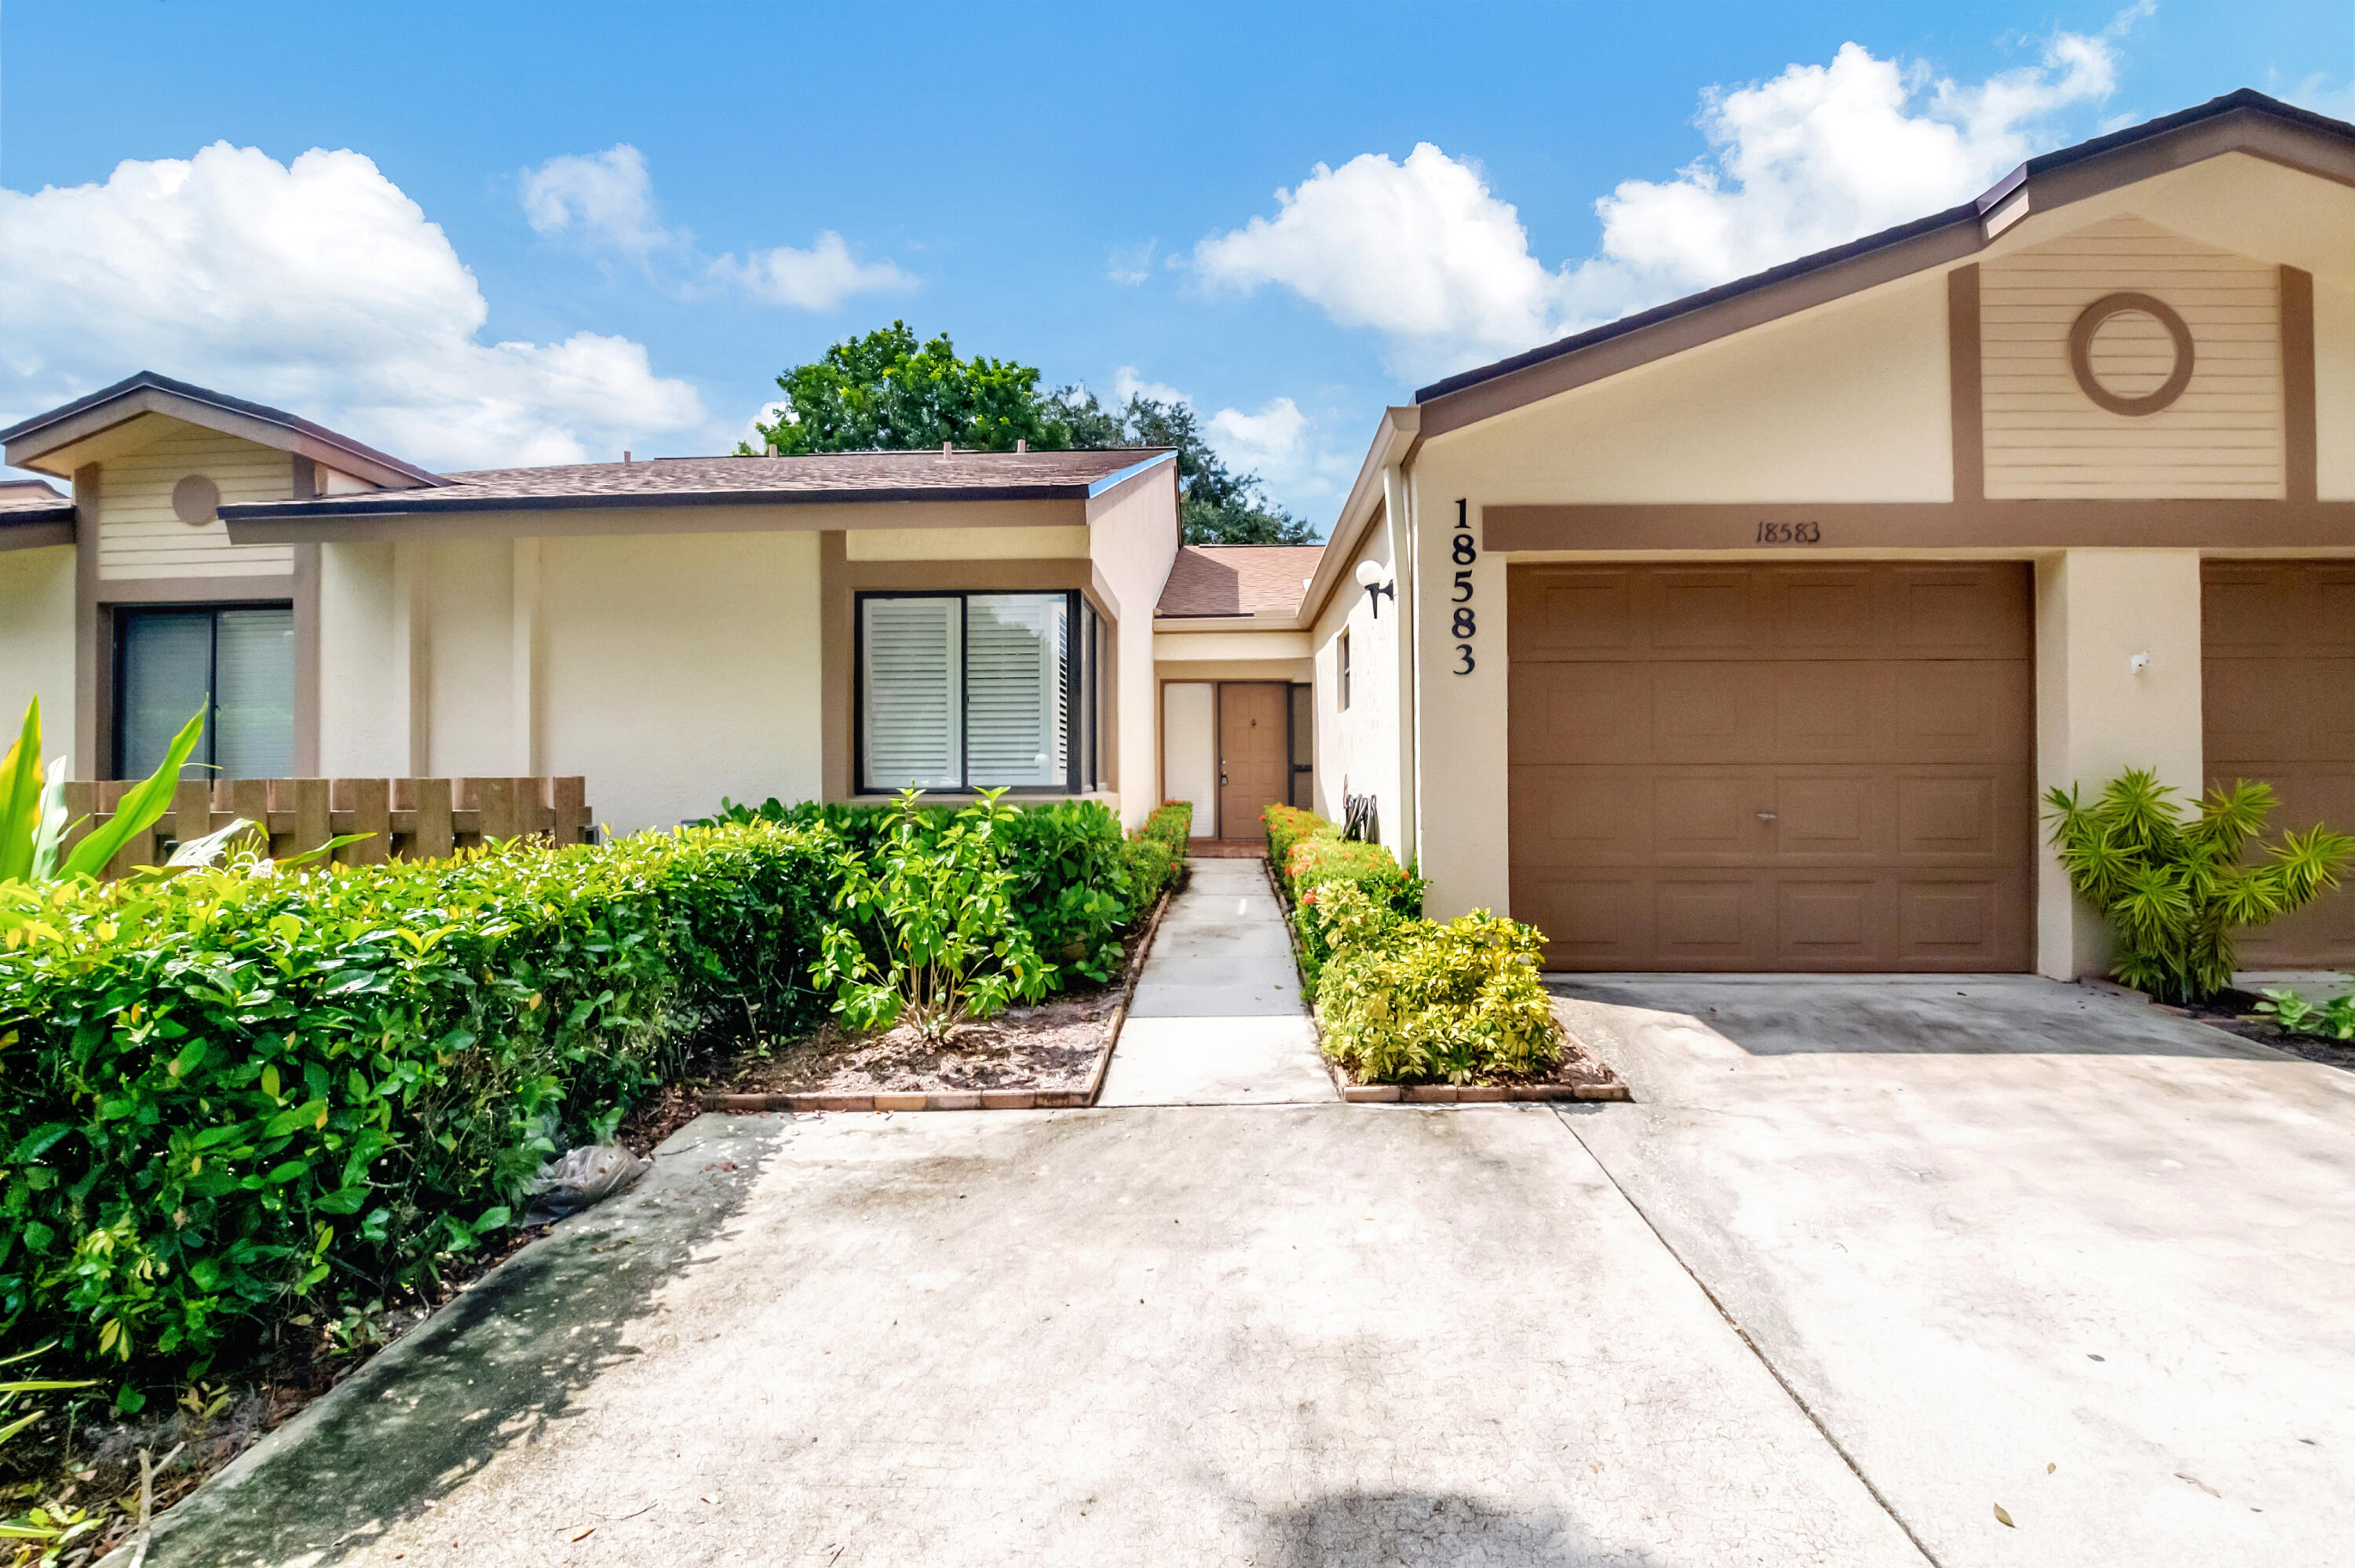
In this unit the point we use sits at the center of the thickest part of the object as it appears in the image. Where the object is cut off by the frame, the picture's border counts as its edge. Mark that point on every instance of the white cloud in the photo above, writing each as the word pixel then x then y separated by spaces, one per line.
pixel 604 198
pixel 605 201
pixel 318 286
pixel 817 279
pixel 1130 264
pixel 1427 254
pixel 1278 443
pixel 1126 384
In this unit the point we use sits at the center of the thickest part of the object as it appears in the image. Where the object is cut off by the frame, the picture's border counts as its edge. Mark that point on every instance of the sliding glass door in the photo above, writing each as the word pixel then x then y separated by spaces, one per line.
pixel 234 661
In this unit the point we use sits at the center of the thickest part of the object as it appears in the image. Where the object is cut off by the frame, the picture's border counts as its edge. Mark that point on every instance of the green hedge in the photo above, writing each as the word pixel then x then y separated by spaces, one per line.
pixel 1072 881
pixel 1156 852
pixel 228 1095
pixel 1309 853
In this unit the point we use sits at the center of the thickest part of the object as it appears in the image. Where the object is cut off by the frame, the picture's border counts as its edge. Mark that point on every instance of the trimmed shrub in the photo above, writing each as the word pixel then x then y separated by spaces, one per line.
pixel 1405 1000
pixel 230 1095
pixel 1072 887
pixel 1156 852
pixel 1309 853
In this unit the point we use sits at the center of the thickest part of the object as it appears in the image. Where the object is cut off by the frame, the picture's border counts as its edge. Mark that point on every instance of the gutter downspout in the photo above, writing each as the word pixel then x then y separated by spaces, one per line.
pixel 1398 521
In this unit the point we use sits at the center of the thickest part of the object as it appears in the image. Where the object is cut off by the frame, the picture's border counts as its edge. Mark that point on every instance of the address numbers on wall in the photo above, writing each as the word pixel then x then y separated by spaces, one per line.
pixel 1463 626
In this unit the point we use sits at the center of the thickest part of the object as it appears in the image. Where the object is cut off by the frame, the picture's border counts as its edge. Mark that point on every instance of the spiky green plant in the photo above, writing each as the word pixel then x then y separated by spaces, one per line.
pixel 32 825
pixel 2175 893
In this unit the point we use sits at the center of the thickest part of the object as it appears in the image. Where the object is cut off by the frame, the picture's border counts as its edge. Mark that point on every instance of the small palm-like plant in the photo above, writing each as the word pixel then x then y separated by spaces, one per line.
pixel 32 825
pixel 2176 892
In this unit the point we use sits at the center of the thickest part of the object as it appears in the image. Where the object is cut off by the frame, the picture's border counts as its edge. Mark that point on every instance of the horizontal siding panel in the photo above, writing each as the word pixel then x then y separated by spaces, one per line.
pixel 139 537
pixel 2044 439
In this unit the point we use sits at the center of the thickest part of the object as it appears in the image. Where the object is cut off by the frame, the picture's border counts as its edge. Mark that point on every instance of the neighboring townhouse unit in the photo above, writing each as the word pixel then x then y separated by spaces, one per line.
pixel 1745 632
pixel 825 627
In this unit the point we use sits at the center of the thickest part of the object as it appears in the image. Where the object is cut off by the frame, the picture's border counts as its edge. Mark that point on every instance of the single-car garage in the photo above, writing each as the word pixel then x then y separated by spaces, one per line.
pixel 1826 766
pixel 2277 690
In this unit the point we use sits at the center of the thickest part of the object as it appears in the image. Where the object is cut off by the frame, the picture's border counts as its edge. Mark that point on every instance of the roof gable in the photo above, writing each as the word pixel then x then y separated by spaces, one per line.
pixel 60 439
pixel 2244 122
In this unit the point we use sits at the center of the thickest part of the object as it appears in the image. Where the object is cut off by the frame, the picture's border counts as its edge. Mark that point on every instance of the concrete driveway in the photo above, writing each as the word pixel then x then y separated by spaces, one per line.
pixel 2014 1243
pixel 1232 1335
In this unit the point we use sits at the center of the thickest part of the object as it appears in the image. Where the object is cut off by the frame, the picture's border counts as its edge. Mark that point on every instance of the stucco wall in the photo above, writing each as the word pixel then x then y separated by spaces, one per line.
pixel 2097 716
pixel 1190 750
pixel 1358 747
pixel 673 671
pixel 471 608
pixel 1845 402
pixel 363 695
pixel 36 644
pixel 965 544
pixel 1132 539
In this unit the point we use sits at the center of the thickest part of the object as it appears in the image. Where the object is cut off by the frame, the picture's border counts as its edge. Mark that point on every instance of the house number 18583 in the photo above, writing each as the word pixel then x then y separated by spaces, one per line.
pixel 1462 625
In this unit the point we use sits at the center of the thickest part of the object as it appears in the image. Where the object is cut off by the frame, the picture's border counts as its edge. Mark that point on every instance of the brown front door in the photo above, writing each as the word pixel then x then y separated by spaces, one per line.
pixel 1254 759
pixel 1820 767
pixel 2278 705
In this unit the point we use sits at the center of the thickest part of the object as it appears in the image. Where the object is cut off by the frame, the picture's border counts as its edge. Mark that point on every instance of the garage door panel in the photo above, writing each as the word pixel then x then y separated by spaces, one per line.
pixel 1702 610
pixel 1591 921
pixel 1832 710
pixel 1579 612
pixel 2279 709
pixel 1599 714
pixel 1964 710
pixel 1711 922
pixel 1832 771
pixel 1712 713
pixel 1583 816
pixel 1960 611
pixel 2278 703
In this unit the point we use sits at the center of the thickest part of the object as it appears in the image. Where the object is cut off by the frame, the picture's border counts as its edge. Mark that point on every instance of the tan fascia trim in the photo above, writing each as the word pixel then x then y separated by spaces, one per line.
pixel 1263 622
pixel 50 449
pixel 1940 240
pixel 1403 428
pixel 1155 470
pixel 765 516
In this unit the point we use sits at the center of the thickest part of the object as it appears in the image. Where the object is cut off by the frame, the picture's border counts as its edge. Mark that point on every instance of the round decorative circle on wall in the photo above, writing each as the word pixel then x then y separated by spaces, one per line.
pixel 2081 352
pixel 195 498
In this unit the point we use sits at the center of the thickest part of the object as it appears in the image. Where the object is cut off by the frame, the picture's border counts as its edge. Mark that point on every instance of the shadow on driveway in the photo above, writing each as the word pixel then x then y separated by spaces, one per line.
pixel 497 1368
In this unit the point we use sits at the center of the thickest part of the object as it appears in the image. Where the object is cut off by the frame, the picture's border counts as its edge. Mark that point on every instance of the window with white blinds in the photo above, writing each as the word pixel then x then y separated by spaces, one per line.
pixel 233 663
pixel 914 693
pixel 971 690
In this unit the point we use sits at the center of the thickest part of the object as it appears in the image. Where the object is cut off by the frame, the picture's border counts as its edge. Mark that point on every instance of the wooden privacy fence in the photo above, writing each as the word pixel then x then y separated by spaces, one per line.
pixel 414 818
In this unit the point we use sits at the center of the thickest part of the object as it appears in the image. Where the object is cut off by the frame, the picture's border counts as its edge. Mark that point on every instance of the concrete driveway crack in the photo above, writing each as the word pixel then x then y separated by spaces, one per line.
pixel 1570 1125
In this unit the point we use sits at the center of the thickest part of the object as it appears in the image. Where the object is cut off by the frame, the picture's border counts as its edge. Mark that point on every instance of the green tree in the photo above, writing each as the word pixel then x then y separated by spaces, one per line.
pixel 1217 506
pixel 887 392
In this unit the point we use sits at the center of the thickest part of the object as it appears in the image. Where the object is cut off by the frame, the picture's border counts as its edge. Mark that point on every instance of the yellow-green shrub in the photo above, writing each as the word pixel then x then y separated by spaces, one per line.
pixel 1405 999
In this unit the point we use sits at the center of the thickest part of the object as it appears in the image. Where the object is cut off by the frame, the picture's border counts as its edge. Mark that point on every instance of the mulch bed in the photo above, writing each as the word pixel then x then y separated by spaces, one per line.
pixel 1052 1054
pixel 2235 1012
pixel 1578 1076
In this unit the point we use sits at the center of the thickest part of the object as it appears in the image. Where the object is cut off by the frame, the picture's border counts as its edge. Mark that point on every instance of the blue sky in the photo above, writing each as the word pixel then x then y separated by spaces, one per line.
pixel 542 233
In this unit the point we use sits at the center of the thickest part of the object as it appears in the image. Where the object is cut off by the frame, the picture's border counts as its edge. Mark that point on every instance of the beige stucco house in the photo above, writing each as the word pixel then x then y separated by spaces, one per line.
pixel 673 631
pixel 1744 633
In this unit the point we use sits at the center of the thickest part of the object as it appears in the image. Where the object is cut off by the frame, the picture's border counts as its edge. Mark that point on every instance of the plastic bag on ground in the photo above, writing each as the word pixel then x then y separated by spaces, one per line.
pixel 583 1177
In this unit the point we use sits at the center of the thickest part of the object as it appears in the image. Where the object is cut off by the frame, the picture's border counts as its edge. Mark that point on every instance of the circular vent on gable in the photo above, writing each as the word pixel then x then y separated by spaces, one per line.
pixel 195 498
pixel 2131 354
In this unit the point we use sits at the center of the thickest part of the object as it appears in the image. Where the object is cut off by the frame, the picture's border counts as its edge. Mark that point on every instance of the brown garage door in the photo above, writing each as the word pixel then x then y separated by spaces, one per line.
pixel 1774 767
pixel 2278 702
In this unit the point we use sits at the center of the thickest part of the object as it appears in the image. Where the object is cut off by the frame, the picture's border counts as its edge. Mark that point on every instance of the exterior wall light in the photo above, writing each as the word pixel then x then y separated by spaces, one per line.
pixel 1369 577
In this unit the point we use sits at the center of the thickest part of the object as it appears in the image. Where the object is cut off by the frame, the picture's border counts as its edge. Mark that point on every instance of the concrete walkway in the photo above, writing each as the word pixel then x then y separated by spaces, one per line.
pixel 1218 1017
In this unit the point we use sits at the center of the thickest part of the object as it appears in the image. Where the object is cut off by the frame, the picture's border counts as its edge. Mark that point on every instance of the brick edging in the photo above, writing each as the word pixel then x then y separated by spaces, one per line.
pixel 1476 1094
pixel 969 1099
